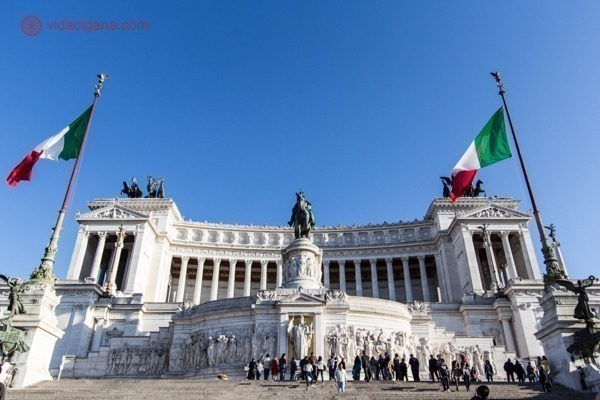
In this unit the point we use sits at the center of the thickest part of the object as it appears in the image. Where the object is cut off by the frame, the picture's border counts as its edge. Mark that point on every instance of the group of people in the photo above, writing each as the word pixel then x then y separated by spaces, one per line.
pixel 309 369
pixel 539 373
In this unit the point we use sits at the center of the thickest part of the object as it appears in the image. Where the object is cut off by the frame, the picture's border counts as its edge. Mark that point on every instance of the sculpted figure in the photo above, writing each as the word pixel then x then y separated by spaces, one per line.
pixel 302 218
pixel 221 349
pixel 231 350
pixel 301 336
pixel 211 352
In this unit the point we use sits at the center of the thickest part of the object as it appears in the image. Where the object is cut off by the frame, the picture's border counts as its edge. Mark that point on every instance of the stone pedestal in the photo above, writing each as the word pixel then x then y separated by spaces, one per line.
pixel 302 265
pixel 40 325
pixel 558 327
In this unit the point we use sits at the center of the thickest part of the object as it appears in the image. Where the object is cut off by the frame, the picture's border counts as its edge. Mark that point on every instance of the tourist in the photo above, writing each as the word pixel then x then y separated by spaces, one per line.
pixel 489 371
pixel 396 363
pixel 259 369
pixel 252 370
pixel 340 378
pixel 373 364
pixel 282 367
pixel 267 366
pixel 366 366
pixel 444 375
pixel 530 372
pixel 332 366
pixel 456 373
pixel 509 367
pixel 414 367
pixel 302 362
pixel 320 369
pixel 275 368
pixel 481 393
pixel 376 366
pixel 308 374
pixel 403 370
pixel 546 366
pixel 433 374
pixel 388 367
pixel 293 369
pixel 520 371
pixel 544 381
pixel 466 371
pixel 356 368
pixel 475 375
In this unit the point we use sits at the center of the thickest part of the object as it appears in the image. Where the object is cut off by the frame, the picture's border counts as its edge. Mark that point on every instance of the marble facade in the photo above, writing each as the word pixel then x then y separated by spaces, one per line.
pixel 194 298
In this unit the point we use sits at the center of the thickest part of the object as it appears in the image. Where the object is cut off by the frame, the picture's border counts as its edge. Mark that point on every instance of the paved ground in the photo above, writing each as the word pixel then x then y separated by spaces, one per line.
pixel 174 389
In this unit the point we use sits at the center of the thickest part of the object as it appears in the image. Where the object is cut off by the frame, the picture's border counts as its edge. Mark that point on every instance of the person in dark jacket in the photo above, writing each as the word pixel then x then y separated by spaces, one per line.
pixel 520 371
pixel 252 369
pixel 403 370
pixel 293 368
pixel 366 364
pixel 397 372
pixel 414 367
pixel 509 368
pixel 489 371
pixel 433 368
pixel 544 380
pixel 282 367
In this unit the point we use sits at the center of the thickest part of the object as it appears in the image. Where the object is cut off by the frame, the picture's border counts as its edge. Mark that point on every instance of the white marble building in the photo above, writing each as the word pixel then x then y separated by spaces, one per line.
pixel 191 298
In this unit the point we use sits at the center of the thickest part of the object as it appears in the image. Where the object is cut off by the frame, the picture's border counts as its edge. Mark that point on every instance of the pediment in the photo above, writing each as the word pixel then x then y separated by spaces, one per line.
pixel 303 298
pixel 492 211
pixel 112 212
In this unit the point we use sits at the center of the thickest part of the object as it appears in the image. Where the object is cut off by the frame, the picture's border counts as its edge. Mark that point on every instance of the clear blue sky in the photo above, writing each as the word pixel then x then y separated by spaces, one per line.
pixel 239 104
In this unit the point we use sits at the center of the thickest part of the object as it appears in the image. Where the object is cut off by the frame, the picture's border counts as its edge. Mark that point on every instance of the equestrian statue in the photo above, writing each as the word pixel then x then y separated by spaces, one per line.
pixel 302 218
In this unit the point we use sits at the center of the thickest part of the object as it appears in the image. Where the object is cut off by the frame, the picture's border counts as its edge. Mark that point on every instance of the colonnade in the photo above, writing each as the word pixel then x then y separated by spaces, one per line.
pixel 398 275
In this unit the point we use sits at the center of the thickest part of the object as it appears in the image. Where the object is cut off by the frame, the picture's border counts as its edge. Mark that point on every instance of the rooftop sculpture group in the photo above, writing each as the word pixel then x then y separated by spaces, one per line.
pixel 475 191
pixel 155 187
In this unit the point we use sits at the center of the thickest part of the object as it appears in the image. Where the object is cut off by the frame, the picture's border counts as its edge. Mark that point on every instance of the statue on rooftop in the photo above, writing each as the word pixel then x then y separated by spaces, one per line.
pixel 133 191
pixel 155 188
pixel 302 218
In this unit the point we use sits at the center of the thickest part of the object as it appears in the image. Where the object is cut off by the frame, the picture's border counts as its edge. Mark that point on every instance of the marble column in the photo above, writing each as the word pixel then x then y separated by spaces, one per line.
pixel 214 289
pixel 263 274
pixel 472 266
pixel 342 265
pixel 279 279
pixel 198 283
pixel 441 276
pixel 326 282
pixel 510 260
pixel 424 281
pixel 390 278
pixel 358 277
pixel 407 282
pixel 531 265
pixel 510 342
pixel 374 281
pixel 247 277
pixel 231 280
pixel 489 251
pixel 182 279
pixel 98 255
pixel 111 285
pixel 81 255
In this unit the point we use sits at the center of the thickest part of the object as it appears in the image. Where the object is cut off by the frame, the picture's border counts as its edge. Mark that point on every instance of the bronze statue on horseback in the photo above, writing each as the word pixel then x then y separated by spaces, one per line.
pixel 302 218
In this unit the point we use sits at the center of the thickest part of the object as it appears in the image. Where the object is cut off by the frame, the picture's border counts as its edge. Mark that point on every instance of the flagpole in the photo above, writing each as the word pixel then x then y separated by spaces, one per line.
pixel 553 270
pixel 45 272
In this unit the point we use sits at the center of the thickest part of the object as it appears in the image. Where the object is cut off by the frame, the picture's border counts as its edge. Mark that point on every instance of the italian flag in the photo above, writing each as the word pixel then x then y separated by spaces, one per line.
pixel 66 144
pixel 489 147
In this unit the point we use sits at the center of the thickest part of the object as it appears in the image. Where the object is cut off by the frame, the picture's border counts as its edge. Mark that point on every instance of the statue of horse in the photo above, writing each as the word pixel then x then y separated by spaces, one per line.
pixel 302 217
pixel 153 187
pixel 478 190
pixel 133 191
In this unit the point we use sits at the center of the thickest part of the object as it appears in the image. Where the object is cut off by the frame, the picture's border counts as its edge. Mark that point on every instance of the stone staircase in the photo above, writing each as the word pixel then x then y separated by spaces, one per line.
pixel 177 389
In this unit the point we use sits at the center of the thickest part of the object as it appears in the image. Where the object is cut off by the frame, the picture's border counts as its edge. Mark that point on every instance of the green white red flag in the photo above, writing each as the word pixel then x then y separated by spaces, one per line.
pixel 66 144
pixel 489 147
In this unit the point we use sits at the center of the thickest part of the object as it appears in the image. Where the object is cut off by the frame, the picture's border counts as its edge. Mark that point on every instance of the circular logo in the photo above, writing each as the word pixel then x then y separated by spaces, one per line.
pixel 31 25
